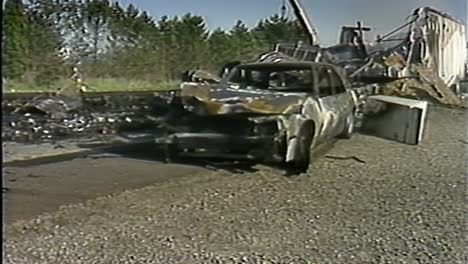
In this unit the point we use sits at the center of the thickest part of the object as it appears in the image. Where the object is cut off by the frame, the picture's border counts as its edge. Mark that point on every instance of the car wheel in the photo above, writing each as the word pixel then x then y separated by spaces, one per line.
pixel 349 128
pixel 304 140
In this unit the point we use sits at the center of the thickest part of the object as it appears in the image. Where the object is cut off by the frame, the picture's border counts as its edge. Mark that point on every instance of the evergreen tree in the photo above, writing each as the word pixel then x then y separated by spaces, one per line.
pixel 44 43
pixel 96 15
pixel 112 41
pixel 244 42
pixel 276 29
pixel 221 49
pixel 15 44
pixel 191 37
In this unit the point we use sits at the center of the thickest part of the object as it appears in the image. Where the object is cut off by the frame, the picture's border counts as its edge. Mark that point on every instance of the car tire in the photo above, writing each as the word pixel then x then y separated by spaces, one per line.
pixel 349 128
pixel 301 165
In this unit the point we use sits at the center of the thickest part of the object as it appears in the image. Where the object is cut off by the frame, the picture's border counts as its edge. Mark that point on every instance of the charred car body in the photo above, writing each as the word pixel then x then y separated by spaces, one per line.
pixel 273 112
pixel 288 101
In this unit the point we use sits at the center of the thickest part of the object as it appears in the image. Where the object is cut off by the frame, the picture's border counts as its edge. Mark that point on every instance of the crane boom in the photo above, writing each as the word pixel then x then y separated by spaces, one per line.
pixel 305 21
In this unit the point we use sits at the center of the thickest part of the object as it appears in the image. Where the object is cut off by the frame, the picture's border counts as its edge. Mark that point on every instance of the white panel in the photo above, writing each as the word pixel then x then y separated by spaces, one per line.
pixel 402 120
pixel 448 47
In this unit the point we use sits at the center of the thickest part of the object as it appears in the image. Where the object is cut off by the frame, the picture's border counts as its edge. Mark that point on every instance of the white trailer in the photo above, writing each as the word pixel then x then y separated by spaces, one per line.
pixel 441 46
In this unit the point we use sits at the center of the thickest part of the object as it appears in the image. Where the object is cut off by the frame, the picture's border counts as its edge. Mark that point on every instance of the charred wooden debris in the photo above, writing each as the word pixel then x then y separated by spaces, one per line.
pixel 52 116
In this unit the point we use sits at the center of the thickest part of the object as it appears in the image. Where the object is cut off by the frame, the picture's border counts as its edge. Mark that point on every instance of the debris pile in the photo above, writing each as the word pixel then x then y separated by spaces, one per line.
pixel 47 118
pixel 423 59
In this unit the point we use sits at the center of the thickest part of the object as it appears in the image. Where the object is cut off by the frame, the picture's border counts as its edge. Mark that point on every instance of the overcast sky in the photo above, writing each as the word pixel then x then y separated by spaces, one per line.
pixel 327 16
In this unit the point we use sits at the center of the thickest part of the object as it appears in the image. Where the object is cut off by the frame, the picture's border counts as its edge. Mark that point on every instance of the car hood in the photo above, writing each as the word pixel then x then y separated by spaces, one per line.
pixel 229 99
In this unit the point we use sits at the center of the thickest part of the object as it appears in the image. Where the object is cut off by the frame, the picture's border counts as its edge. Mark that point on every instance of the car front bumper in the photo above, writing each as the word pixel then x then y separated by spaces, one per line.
pixel 217 145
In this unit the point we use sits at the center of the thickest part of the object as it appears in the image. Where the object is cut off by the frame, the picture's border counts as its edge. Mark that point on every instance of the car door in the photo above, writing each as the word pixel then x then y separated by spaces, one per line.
pixel 344 103
pixel 311 108
pixel 328 103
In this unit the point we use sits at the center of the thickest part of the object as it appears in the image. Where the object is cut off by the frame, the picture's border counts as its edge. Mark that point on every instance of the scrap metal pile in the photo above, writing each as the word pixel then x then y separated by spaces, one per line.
pixel 423 59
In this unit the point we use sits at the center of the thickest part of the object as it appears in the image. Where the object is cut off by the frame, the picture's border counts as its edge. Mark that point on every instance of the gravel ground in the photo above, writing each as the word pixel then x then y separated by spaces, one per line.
pixel 400 204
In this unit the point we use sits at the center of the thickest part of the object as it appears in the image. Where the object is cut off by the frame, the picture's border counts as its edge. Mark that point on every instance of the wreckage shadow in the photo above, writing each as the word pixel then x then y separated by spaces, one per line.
pixel 141 152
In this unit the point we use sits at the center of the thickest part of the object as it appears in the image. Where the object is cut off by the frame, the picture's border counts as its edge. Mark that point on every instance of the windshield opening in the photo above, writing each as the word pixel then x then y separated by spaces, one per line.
pixel 273 78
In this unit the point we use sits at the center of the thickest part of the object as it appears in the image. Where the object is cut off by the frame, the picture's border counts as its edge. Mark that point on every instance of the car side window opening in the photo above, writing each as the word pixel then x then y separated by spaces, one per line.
pixel 337 83
pixel 236 76
pixel 325 87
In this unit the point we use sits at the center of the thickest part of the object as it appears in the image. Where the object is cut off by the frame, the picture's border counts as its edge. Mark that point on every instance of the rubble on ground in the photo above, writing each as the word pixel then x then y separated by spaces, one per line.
pixel 54 117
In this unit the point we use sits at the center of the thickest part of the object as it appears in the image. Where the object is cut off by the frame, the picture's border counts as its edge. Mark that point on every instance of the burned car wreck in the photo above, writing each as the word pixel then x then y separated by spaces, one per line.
pixel 286 102
pixel 269 112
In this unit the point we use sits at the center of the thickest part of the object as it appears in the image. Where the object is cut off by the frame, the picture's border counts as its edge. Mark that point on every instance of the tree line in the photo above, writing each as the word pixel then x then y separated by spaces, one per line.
pixel 43 39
